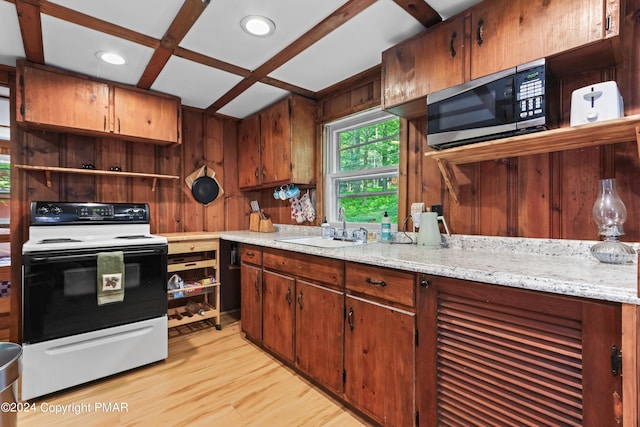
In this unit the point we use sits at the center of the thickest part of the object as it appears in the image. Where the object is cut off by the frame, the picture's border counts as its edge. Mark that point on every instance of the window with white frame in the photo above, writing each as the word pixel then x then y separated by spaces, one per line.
pixel 363 154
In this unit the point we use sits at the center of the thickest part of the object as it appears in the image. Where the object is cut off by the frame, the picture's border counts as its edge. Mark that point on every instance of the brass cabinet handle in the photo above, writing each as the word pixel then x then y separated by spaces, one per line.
pixel 300 300
pixel 105 122
pixel 118 124
pixel 350 318
pixel 257 169
pixel 288 296
pixel 250 254
pixel 375 282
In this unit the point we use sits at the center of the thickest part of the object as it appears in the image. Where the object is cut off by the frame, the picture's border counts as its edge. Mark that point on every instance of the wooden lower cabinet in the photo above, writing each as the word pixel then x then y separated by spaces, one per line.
pixel 277 313
pixel 491 355
pixel 318 333
pixel 379 361
pixel 318 326
pixel 303 311
pixel 251 300
pixel 251 291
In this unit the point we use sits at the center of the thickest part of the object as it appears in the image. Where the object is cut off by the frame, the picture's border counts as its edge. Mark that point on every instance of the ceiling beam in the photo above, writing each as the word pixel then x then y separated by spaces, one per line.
pixel 31 29
pixel 174 35
pixel 60 12
pixel 326 26
pixel 421 11
pixel 182 23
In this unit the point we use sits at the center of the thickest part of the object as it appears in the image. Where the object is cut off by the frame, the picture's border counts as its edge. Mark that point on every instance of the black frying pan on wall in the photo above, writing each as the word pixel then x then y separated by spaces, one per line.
pixel 204 187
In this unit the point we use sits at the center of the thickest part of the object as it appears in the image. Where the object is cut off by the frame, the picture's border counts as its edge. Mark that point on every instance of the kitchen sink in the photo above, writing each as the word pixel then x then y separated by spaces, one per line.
pixel 319 242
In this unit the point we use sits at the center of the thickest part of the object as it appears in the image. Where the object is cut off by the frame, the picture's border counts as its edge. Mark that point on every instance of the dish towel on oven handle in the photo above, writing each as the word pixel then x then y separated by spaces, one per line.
pixel 110 277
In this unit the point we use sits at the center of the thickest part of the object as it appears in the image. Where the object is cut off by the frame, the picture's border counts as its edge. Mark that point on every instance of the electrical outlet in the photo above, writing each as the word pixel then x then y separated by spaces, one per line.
pixel 417 207
pixel 438 209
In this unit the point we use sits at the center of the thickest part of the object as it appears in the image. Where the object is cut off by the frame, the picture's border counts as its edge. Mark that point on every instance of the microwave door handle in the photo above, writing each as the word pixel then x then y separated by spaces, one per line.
pixel 89 256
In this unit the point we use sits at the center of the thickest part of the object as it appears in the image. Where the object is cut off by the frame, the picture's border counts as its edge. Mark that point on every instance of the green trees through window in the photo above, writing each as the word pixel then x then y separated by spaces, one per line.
pixel 365 169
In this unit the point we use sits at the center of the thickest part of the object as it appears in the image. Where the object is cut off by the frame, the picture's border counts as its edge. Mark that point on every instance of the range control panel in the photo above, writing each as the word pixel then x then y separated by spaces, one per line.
pixel 50 213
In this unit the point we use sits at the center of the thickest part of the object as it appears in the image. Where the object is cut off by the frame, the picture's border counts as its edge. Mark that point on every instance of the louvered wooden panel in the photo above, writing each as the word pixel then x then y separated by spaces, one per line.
pixel 506 366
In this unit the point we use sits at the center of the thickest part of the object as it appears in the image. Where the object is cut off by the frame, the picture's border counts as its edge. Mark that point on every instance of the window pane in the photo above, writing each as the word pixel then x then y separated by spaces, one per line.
pixel 369 147
pixel 366 200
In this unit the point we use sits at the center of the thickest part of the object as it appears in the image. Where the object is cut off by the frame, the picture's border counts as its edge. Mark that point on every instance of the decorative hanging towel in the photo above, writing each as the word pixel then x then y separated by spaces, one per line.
pixel 110 277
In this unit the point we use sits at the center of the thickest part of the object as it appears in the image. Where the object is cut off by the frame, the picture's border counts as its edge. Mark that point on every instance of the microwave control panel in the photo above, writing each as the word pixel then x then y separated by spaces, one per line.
pixel 530 85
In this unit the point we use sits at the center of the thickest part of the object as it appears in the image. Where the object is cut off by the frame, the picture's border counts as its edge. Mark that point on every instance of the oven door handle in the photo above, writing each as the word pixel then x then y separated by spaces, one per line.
pixel 89 256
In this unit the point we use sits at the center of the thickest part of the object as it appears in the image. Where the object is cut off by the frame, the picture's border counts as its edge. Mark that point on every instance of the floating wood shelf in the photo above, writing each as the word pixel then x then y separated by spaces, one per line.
pixel 626 129
pixel 48 169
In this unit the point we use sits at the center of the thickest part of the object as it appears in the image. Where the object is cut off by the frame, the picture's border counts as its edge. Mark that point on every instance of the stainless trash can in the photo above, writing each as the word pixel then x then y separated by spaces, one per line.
pixel 9 373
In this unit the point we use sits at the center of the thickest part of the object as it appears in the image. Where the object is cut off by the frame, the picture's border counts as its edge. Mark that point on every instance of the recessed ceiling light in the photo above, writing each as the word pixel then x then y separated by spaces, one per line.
pixel 111 58
pixel 258 26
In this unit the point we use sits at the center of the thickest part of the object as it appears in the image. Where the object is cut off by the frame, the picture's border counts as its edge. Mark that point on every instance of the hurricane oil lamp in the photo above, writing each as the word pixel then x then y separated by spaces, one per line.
pixel 610 214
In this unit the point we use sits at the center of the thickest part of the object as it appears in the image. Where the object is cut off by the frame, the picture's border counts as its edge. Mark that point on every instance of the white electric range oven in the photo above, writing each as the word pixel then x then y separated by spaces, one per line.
pixel 69 335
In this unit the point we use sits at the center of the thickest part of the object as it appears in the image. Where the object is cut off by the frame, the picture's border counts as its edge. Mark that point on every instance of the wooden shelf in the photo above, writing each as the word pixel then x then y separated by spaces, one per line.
pixel 180 316
pixel 626 129
pixel 189 291
pixel 48 169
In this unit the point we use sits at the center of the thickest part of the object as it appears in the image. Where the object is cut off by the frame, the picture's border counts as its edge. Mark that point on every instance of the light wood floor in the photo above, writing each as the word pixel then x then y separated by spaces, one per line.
pixel 211 378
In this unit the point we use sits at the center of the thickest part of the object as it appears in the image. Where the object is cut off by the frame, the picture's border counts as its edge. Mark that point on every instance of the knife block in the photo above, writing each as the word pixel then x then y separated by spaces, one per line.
pixel 263 225
pixel 254 221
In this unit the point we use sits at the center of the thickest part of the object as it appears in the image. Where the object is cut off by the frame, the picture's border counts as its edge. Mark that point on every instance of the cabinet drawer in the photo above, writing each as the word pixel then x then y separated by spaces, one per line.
pixel 323 270
pixel 391 285
pixel 251 255
pixel 192 246
pixel 192 265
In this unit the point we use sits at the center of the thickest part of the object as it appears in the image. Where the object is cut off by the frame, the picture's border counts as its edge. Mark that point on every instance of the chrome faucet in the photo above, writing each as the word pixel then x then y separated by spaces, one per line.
pixel 342 216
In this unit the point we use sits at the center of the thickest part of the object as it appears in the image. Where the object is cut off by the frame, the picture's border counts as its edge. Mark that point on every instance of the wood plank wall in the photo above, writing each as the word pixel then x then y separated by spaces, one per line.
pixel 546 195
pixel 207 140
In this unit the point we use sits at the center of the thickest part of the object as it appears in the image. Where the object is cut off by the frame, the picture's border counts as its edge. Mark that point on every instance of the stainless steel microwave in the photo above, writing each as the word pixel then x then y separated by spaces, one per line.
pixel 503 104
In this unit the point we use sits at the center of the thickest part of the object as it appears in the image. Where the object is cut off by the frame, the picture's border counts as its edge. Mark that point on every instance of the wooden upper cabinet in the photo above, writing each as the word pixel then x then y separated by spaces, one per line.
pixel 275 131
pixel 144 115
pixel 426 63
pixel 57 100
pixel 548 28
pixel 277 145
pixel 495 37
pixel 506 33
pixel 249 172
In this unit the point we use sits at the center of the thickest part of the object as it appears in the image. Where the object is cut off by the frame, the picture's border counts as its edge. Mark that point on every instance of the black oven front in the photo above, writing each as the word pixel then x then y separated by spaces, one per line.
pixel 60 291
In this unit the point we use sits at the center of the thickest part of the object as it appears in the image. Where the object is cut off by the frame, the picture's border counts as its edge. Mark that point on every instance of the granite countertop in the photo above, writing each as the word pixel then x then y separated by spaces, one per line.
pixel 557 266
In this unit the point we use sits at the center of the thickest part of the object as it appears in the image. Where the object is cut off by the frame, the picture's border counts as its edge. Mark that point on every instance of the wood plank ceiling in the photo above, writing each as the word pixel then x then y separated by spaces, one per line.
pixel 29 16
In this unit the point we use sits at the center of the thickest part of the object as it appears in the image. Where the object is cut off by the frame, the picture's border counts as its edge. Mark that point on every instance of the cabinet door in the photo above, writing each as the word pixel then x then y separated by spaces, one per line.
pixel 424 64
pixel 251 301
pixel 52 99
pixel 495 27
pixel 145 116
pixel 275 128
pixel 277 311
pixel 548 28
pixel 514 357
pixel 319 319
pixel 379 361
pixel 249 166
